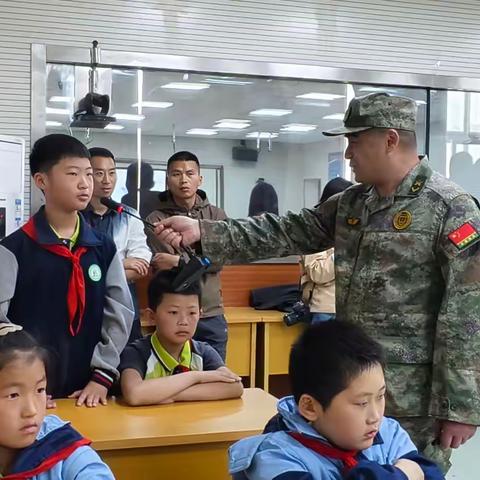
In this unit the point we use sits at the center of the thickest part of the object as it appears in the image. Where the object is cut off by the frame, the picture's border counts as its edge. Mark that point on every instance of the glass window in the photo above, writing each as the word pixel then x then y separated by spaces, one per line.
pixel 246 131
pixel 455 137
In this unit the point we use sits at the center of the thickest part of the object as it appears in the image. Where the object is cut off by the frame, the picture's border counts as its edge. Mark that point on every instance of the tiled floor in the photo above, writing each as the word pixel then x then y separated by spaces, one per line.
pixel 465 461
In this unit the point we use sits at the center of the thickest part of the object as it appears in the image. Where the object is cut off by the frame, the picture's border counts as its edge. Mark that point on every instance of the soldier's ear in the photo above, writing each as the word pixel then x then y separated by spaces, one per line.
pixel 392 139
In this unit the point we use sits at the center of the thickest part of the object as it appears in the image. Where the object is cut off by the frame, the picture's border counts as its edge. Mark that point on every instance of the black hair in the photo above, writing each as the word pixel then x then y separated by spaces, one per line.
pixel 162 283
pixel 101 152
pixel 183 157
pixel 334 186
pixel 146 177
pixel 328 356
pixel 50 149
pixel 17 342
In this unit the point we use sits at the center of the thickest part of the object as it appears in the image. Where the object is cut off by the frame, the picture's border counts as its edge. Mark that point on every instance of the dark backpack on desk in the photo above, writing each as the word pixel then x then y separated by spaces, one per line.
pixel 279 297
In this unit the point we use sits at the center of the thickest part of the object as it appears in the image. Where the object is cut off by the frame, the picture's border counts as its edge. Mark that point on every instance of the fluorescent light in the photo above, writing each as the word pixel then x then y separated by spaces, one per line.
pixel 60 99
pixel 334 116
pixel 113 126
pixel 270 112
pixel 129 116
pixel 232 123
pixel 320 96
pixel 57 111
pixel 298 127
pixel 378 89
pixel 314 103
pixel 51 123
pixel 186 86
pixel 262 135
pixel 202 131
pixel 149 104
pixel 227 81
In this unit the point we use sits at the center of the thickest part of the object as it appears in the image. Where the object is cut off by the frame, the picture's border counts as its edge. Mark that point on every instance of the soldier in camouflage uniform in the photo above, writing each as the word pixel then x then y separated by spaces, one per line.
pixel 407 258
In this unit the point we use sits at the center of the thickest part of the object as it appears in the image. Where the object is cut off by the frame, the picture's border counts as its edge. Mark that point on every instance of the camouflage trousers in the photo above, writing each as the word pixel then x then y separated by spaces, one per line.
pixel 424 433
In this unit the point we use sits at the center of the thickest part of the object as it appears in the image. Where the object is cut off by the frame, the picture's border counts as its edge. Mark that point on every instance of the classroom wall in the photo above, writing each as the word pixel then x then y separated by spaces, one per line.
pixel 426 36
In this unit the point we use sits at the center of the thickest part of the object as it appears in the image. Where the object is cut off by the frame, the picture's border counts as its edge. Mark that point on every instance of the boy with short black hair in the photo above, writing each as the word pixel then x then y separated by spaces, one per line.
pixel 333 426
pixel 169 366
pixel 63 282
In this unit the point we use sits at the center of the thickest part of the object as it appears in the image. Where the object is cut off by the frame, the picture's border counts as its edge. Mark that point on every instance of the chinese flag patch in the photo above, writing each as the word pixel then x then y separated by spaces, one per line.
pixel 463 236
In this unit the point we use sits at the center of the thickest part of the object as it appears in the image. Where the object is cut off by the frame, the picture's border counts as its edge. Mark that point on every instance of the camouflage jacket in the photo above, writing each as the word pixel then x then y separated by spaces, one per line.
pixel 407 270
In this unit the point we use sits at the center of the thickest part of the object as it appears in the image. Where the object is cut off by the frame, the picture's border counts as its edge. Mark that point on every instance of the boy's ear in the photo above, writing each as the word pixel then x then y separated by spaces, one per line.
pixel 309 408
pixel 150 314
pixel 40 179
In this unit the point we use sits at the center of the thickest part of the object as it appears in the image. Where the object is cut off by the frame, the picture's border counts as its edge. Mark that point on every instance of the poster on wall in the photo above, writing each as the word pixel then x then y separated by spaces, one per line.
pixel 335 165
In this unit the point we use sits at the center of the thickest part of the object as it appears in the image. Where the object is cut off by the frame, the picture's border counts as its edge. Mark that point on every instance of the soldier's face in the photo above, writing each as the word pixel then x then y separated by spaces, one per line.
pixel 353 418
pixel 183 179
pixel 368 155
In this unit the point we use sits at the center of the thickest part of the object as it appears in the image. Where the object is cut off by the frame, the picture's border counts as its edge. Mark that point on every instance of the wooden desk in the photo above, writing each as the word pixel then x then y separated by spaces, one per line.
pixel 242 341
pixel 182 440
pixel 277 342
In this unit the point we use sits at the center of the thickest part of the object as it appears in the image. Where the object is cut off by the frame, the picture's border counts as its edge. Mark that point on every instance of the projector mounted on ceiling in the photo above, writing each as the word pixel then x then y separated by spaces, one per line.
pixel 93 109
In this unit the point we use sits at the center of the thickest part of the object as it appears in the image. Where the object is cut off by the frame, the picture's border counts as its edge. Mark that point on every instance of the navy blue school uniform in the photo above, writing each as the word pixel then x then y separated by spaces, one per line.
pixel 75 302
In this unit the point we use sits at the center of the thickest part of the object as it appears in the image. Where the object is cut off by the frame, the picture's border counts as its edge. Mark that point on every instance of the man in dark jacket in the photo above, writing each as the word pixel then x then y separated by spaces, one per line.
pixel 184 197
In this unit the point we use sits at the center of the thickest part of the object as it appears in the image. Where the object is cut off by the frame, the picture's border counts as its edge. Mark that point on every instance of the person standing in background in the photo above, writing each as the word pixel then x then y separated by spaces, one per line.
pixel 318 269
pixel 126 231
pixel 184 197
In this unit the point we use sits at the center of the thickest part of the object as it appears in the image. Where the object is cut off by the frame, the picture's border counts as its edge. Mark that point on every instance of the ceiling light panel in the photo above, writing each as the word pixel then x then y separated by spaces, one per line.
pixel 129 117
pixel 270 112
pixel 202 131
pixel 320 96
pixel 149 104
pixel 262 135
pixel 186 86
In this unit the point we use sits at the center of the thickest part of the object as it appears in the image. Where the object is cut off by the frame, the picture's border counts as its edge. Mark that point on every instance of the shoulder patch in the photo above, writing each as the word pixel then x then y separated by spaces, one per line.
pixel 464 236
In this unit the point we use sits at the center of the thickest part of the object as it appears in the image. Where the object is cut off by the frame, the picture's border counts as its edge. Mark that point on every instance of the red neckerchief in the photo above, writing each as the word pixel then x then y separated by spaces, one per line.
pixel 50 462
pixel 346 456
pixel 180 369
pixel 76 284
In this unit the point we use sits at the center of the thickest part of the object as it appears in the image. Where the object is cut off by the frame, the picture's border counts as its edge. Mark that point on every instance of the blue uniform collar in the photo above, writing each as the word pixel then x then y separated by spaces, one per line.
pixel 288 410
pixel 46 236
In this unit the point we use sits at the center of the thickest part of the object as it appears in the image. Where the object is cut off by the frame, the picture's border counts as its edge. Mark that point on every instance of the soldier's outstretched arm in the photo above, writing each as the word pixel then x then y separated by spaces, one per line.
pixel 456 360
pixel 267 236
pixel 256 238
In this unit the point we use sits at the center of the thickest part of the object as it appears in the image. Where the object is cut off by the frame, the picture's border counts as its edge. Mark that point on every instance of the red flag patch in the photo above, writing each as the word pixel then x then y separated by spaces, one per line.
pixel 464 236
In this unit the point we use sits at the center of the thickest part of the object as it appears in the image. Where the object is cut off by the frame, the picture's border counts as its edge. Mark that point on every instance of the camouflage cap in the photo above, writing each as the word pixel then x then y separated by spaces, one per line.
pixel 378 110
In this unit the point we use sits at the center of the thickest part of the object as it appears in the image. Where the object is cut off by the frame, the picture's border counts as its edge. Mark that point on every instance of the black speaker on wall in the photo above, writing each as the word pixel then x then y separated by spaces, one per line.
pixel 244 154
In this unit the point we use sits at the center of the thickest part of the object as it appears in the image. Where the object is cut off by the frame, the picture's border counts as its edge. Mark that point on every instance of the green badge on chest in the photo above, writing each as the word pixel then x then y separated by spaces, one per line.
pixel 95 273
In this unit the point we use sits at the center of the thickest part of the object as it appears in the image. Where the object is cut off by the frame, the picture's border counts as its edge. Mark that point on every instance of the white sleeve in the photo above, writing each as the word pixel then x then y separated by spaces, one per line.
pixel 137 241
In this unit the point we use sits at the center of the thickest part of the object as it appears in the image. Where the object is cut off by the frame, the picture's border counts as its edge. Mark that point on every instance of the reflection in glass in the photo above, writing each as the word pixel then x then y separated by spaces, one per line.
pixel 455 137
pixel 241 129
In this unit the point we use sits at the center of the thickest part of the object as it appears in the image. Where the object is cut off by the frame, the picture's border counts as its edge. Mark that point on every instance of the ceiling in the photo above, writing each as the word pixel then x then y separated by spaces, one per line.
pixel 225 98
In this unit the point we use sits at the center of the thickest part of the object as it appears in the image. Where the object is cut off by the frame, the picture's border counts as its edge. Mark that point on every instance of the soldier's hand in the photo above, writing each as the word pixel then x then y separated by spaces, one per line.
pixel 453 434
pixel 178 231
